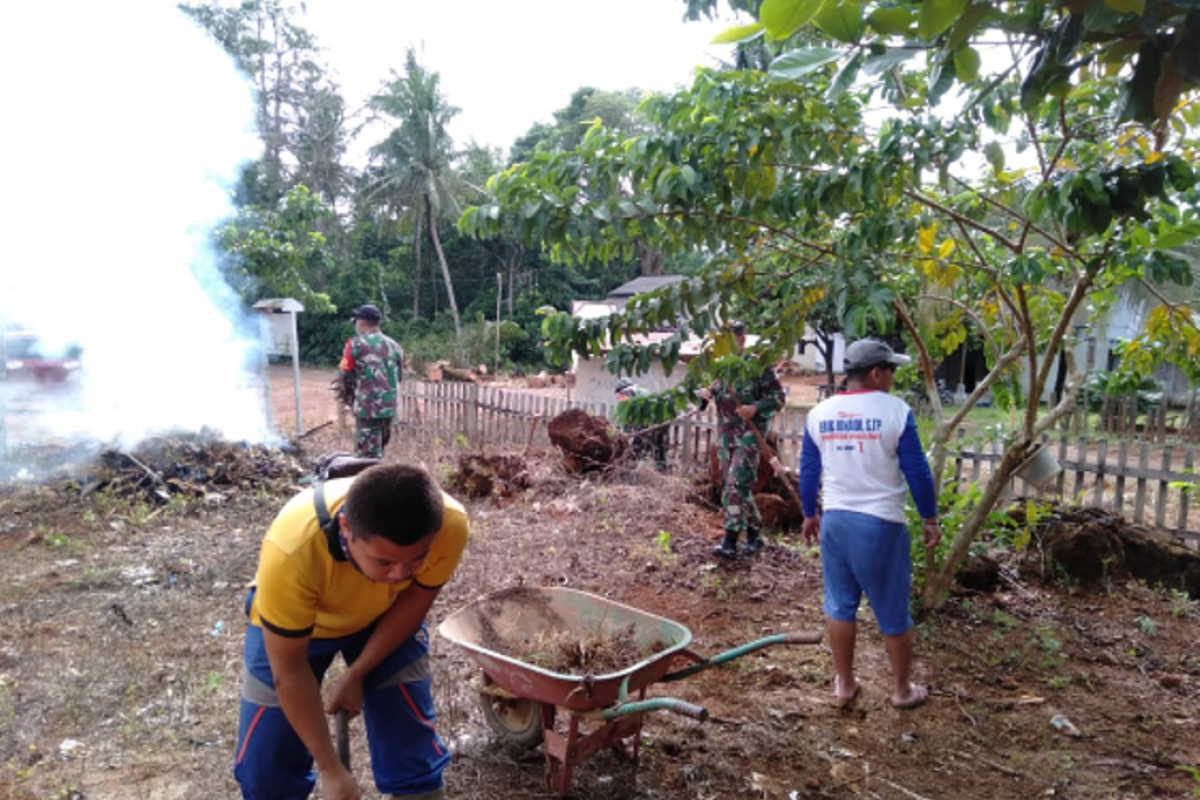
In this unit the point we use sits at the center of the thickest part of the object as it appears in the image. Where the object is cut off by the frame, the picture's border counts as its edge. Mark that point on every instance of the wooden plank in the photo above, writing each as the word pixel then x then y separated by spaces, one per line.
pixel 471 410
pixel 958 459
pixel 1077 489
pixel 1060 483
pixel 1181 522
pixel 1118 504
pixel 1101 457
pixel 1139 509
pixel 1160 505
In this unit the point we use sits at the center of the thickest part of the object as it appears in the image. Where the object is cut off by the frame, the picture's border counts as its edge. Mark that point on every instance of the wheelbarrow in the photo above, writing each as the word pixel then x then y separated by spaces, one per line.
pixel 521 698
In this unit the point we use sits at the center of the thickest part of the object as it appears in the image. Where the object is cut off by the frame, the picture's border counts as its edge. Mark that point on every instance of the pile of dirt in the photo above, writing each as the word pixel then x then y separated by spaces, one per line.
pixel 1093 546
pixel 481 475
pixel 587 442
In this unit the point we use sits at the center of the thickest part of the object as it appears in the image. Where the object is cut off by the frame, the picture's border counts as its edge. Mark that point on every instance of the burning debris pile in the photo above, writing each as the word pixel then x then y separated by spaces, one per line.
pixel 189 465
pixel 197 467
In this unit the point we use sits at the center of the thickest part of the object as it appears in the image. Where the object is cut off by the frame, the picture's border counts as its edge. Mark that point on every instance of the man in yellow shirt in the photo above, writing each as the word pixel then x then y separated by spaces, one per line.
pixel 362 588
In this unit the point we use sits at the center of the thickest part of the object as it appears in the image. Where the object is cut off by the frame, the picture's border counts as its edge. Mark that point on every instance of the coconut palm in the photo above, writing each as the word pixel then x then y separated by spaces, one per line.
pixel 411 166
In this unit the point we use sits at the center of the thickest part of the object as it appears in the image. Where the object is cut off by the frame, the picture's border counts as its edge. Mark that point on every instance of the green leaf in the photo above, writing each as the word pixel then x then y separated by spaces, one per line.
pixel 967 24
pixel 1169 237
pixel 896 21
pixel 797 63
pixel 845 76
pixel 995 155
pixel 936 17
pixel 740 33
pixel 877 63
pixel 843 21
pixel 966 64
pixel 782 18
pixel 1127 6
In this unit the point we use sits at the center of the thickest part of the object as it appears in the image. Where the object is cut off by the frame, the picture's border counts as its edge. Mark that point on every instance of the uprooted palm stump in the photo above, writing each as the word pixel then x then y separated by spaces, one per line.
pixel 488 476
pixel 1092 546
pixel 587 443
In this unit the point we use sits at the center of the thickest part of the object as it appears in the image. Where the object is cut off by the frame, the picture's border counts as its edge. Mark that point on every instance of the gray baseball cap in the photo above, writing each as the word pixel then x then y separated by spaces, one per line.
pixel 867 353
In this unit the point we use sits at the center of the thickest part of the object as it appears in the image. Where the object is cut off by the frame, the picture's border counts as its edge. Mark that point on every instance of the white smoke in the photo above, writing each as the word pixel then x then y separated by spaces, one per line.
pixel 125 129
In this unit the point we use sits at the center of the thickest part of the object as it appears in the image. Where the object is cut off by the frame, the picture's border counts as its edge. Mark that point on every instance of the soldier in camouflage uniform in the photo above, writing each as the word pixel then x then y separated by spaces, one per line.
pixel 371 369
pixel 754 402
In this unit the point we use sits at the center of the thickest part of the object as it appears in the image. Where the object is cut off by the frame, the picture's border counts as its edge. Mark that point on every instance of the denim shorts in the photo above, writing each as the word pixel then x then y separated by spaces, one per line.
pixel 862 554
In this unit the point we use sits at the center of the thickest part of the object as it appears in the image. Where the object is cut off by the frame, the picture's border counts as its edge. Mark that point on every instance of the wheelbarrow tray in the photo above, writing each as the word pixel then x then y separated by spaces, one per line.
pixel 504 620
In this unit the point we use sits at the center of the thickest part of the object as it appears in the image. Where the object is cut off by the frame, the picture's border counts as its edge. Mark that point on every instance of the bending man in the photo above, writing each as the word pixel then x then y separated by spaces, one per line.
pixel 362 587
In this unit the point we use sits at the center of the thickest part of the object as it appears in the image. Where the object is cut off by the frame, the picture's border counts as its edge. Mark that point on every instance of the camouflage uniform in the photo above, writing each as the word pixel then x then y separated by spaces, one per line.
pixel 372 363
pixel 739 452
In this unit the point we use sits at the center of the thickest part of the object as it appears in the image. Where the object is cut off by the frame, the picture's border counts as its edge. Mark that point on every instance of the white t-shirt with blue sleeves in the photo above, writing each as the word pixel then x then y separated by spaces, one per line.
pixel 863 450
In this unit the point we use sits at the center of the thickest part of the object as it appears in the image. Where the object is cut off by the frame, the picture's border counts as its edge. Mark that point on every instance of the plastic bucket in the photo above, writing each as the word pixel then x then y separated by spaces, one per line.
pixel 1039 468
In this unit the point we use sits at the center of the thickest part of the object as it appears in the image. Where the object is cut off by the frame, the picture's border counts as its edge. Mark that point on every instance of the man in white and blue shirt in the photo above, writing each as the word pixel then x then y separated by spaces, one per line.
pixel 861 451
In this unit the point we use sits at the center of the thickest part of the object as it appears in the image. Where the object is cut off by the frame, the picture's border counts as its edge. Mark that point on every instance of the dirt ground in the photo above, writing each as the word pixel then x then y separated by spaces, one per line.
pixel 122 626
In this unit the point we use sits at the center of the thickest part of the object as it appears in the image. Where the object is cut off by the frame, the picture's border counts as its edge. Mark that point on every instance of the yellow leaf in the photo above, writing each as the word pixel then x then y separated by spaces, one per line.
pixel 925 238
pixel 1155 156
pixel 946 248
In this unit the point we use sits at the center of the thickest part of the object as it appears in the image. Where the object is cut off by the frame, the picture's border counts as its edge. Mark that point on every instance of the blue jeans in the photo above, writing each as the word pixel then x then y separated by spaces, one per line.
pixel 407 757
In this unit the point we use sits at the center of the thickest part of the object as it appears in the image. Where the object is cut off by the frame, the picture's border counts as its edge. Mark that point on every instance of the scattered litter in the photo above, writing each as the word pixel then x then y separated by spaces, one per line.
pixel 218 627
pixel 142 575
pixel 67 748
pixel 1065 726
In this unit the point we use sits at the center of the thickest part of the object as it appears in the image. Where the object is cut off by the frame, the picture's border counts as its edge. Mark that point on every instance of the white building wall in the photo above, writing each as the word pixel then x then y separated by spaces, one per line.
pixel 594 384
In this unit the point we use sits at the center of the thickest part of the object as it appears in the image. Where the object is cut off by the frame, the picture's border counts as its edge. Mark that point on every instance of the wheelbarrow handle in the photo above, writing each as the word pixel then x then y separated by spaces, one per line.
pixel 341 736
pixel 801 637
pixel 643 706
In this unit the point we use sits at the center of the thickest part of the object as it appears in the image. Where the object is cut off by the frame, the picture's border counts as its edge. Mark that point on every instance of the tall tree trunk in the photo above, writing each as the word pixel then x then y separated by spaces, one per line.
pixel 417 269
pixel 513 260
pixel 649 259
pixel 437 245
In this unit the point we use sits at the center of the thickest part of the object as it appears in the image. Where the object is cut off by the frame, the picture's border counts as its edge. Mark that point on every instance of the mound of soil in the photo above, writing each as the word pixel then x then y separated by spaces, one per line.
pixel 1093 546
pixel 487 476
pixel 587 442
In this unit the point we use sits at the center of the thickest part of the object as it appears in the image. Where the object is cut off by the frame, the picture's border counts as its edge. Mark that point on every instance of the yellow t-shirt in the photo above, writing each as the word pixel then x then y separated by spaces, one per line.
pixel 302 589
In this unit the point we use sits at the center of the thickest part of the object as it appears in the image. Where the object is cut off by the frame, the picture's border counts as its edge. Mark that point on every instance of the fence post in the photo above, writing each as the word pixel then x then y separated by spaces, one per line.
pixel 472 409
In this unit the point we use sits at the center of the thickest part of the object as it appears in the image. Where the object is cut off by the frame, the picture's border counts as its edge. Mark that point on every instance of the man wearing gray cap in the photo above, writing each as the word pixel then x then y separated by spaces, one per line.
pixel 371 369
pixel 862 452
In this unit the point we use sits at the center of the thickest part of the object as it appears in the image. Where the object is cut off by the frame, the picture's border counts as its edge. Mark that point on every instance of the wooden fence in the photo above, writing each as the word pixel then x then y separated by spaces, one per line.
pixel 1147 483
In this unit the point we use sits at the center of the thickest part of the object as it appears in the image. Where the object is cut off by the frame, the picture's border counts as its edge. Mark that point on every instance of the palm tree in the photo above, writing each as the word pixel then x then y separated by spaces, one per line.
pixel 412 164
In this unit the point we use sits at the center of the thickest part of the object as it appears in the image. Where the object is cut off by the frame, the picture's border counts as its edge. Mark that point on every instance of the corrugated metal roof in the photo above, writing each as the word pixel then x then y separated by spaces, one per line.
pixel 646 283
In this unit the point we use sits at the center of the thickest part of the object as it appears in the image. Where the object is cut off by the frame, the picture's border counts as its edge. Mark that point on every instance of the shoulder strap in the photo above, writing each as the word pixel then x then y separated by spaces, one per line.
pixel 328 523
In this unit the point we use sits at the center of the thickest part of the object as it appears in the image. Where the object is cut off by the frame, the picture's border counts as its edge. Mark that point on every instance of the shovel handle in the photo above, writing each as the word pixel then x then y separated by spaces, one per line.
pixel 341 736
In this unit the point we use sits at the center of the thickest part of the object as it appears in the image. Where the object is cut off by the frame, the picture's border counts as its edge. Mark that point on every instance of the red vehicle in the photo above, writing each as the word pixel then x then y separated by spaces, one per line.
pixel 27 357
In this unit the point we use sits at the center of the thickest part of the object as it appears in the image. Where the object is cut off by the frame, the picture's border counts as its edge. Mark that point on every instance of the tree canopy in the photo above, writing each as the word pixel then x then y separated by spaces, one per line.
pixel 942 168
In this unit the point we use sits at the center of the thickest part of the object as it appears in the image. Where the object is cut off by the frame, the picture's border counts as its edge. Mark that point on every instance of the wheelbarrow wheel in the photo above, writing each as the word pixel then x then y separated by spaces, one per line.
pixel 516 721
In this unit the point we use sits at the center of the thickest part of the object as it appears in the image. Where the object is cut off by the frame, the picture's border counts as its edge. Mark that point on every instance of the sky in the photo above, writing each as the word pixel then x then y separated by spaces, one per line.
pixel 510 63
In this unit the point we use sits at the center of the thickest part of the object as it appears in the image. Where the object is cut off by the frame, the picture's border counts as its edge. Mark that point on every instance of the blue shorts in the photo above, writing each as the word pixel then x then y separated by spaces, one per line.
pixel 407 757
pixel 862 554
